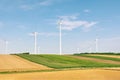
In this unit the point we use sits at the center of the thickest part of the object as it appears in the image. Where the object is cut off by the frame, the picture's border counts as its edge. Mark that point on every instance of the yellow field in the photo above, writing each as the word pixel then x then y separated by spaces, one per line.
pixel 15 63
pixel 88 74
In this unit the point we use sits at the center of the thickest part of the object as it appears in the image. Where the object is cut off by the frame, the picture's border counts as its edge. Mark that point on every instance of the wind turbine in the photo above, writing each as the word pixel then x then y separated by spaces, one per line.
pixel 60 36
pixel 35 41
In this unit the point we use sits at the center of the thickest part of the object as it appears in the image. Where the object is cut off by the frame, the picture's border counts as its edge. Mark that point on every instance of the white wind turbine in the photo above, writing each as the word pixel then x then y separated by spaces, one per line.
pixel 96 44
pixel 60 36
pixel 35 41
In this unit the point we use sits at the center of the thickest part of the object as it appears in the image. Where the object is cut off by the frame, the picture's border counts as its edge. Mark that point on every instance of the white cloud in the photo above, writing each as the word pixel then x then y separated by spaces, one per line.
pixel 37 4
pixel 71 22
pixel 45 3
pixel 26 7
pixel 87 11
pixel 48 34
pixel 68 17
pixel 22 27
pixel 45 34
pixel 89 24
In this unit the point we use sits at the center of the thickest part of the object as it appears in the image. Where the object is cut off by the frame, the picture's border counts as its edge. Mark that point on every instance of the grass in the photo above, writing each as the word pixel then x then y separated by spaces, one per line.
pixel 99 57
pixel 61 62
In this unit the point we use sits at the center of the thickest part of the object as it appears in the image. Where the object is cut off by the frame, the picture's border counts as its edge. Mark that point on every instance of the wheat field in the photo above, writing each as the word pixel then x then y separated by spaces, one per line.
pixel 15 63
pixel 87 74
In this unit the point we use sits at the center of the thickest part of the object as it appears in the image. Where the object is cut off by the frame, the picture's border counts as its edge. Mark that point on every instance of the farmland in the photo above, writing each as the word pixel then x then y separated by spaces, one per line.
pixel 59 67
pixel 15 63
pixel 100 56
pixel 65 61
pixel 86 74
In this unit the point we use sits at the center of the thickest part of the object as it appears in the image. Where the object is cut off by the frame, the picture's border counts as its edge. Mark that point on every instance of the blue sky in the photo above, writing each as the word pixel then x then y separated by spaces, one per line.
pixel 82 20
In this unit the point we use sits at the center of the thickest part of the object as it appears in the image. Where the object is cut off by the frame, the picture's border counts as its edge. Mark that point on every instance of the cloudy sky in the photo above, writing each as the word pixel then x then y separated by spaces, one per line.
pixel 82 21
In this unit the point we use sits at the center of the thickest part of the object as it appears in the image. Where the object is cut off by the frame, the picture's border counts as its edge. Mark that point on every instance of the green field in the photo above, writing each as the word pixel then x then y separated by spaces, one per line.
pixel 99 57
pixel 62 61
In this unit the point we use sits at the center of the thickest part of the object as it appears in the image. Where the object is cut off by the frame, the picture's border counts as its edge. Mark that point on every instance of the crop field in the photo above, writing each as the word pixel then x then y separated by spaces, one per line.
pixel 64 61
pixel 102 57
pixel 112 56
pixel 96 59
pixel 59 67
pixel 86 74
pixel 15 63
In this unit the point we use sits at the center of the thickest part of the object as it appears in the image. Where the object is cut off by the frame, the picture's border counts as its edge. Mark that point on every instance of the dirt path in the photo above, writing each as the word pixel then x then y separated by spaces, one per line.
pixel 15 63
pixel 96 60
pixel 88 74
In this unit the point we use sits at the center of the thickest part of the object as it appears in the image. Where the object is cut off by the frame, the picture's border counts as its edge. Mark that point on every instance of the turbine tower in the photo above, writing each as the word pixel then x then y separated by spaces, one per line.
pixel 35 41
pixel 60 36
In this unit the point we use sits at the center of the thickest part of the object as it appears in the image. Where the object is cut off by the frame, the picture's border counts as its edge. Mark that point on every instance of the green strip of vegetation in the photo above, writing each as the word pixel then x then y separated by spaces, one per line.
pixel 109 53
pixel 61 62
pixel 10 72
pixel 98 57
pixel 51 70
